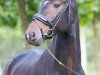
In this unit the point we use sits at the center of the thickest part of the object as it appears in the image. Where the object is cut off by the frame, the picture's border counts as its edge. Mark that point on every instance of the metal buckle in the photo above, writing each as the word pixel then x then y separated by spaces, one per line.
pixel 49 32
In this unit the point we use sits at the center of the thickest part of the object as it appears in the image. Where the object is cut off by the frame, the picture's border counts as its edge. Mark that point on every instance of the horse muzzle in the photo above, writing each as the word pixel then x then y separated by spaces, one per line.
pixel 33 39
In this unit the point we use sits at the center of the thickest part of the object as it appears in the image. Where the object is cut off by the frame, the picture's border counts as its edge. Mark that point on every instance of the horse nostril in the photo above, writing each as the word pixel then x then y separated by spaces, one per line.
pixel 30 37
pixel 32 34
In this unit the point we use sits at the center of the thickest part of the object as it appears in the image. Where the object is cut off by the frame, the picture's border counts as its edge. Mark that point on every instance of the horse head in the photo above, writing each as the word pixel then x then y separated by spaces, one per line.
pixel 52 18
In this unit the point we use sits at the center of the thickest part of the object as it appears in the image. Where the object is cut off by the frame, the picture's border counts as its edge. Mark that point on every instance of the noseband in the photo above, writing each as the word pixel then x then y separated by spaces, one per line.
pixel 52 25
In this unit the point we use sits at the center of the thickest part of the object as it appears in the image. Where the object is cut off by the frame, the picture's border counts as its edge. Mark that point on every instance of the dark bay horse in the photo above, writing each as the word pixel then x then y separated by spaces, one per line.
pixel 56 19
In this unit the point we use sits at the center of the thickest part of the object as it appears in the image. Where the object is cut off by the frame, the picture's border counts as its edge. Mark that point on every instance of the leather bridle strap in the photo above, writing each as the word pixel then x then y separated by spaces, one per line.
pixel 43 36
pixel 39 28
pixel 43 20
pixel 55 22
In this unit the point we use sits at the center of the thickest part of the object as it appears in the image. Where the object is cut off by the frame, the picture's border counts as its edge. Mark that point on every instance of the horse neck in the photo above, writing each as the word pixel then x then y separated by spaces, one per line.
pixel 67 49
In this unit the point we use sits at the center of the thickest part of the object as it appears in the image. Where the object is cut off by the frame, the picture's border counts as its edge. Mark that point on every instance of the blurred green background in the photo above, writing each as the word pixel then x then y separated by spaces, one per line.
pixel 15 15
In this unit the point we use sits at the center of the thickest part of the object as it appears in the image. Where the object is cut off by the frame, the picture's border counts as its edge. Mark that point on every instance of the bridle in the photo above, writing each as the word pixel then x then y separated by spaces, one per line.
pixel 52 25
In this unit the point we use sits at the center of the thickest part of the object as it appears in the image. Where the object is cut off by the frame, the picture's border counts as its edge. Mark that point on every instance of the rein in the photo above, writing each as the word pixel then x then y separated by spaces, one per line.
pixel 53 56
pixel 59 62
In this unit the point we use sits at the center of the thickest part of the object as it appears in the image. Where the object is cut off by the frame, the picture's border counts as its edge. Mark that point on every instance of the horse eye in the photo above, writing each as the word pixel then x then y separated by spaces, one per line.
pixel 56 5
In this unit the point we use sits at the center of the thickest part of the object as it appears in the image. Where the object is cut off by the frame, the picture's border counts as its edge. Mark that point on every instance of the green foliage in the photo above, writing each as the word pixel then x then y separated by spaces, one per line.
pixel 86 10
pixel 9 11
pixel 31 8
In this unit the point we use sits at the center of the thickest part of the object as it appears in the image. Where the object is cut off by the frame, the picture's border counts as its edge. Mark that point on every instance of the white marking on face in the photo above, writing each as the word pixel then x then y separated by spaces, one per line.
pixel 46 2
